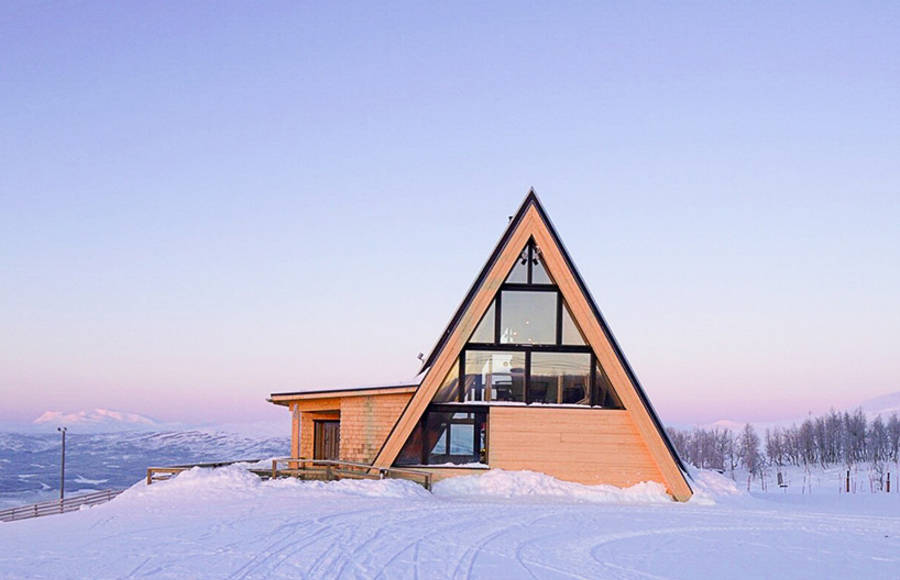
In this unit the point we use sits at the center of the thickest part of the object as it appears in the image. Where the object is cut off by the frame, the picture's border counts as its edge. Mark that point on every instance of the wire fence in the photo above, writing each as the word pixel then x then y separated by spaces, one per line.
pixel 47 508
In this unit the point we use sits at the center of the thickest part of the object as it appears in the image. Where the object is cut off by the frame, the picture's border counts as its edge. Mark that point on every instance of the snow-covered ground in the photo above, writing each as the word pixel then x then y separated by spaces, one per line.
pixel 228 524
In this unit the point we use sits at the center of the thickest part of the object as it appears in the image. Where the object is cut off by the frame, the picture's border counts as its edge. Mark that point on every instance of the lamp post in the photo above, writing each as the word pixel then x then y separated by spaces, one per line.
pixel 62 465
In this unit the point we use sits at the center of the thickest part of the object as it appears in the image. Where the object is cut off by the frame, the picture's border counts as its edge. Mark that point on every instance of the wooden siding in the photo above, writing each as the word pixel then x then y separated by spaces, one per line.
pixel 589 446
pixel 366 422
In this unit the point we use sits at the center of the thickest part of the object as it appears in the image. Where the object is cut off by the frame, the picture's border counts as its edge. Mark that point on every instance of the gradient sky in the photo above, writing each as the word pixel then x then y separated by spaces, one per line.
pixel 201 204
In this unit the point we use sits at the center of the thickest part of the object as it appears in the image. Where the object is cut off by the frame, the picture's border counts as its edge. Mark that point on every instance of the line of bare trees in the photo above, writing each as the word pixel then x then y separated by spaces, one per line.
pixel 834 438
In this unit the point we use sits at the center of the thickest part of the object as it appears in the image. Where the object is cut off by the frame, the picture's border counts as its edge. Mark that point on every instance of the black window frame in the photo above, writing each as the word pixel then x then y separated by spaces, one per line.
pixel 530 253
pixel 479 426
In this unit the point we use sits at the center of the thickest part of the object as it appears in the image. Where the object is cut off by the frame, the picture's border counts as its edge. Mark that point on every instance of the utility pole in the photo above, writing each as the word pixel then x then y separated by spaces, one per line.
pixel 62 465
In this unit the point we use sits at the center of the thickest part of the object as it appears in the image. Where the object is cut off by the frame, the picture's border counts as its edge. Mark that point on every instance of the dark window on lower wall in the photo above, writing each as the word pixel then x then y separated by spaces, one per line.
pixel 446 436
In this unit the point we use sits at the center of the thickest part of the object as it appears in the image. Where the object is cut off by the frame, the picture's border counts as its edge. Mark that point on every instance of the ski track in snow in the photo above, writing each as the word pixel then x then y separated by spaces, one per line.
pixel 239 528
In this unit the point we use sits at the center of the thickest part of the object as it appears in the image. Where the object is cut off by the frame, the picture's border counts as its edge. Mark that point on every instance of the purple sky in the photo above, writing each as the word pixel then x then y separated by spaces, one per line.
pixel 203 204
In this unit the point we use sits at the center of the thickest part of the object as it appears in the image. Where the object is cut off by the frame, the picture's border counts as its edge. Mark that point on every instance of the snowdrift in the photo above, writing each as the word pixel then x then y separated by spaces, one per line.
pixel 234 481
pixel 519 485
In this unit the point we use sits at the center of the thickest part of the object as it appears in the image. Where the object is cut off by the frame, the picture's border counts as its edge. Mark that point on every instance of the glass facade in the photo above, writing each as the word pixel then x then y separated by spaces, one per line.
pixel 527 317
pixel 445 436
pixel 561 378
pixel 537 356
pixel 539 273
pixel 604 393
pixel 494 376
pixel 519 272
pixel 571 335
pixel 484 332
pixel 448 392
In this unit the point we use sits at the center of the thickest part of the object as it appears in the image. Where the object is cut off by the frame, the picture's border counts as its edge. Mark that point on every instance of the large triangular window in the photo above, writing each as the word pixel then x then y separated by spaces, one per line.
pixel 527 347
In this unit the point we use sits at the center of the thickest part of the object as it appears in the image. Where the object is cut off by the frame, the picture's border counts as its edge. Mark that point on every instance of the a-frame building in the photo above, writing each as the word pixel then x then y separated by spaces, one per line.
pixel 526 375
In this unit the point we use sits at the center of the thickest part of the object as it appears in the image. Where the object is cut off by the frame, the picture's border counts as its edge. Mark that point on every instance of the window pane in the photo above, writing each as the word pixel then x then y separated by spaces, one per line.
pixel 570 332
pixel 485 330
pixel 604 394
pixel 495 376
pixel 528 317
pixel 462 440
pixel 560 378
pixel 449 389
pixel 539 273
pixel 454 437
pixel 412 451
pixel 519 272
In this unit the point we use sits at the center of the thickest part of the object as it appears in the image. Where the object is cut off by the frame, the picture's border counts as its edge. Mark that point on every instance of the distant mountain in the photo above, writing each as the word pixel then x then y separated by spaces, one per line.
pixel 98 420
pixel 29 462
pixel 885 405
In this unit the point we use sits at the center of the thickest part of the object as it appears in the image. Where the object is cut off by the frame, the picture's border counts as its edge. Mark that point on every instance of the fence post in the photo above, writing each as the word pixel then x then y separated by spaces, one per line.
pixel 274 468
pixel 848 481
pixel 889 482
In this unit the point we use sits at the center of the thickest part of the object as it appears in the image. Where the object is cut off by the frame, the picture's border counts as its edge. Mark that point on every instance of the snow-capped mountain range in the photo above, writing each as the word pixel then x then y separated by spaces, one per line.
pixel 97 419
pixel 883 405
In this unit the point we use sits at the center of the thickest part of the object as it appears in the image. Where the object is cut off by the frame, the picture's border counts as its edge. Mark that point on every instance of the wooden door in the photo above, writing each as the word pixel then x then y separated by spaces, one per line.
pixel 327 444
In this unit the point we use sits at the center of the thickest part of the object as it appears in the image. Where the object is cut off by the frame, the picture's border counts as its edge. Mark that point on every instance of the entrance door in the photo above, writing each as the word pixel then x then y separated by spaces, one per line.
pixel 327 443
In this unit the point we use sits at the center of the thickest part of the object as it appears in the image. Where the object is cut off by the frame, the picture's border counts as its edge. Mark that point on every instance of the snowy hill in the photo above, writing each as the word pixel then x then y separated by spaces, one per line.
pixel 885 405
pixel 97 420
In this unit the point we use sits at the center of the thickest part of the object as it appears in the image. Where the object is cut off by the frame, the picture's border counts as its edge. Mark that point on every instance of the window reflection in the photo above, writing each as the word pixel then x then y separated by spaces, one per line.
pixel 494 376
pixel 519 272
pixel 484 332
pixel 571 335
pixel 527 317
pixel 539 273
pixel 604 393
pixel 446 437
pixel 560 378
pixel 449 389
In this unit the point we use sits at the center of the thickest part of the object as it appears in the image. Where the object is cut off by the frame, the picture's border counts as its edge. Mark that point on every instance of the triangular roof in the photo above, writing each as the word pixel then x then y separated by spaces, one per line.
pixel 531 222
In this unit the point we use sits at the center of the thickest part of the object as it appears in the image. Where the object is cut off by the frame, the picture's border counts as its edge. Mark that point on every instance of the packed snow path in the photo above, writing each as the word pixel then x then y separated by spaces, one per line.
pixel 227 524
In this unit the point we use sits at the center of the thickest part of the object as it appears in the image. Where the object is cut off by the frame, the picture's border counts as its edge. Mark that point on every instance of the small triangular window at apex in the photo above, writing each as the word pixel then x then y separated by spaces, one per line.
pixel 529 267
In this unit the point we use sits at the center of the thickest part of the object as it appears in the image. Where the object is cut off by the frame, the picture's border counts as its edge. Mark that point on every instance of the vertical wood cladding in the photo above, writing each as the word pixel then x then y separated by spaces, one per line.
pixel 366 422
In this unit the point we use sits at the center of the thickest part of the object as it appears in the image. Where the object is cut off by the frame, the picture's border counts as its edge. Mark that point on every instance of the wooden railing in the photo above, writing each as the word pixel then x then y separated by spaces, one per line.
pixel 47 508
pixel 304 468
pixel 329 470
pixel 164 473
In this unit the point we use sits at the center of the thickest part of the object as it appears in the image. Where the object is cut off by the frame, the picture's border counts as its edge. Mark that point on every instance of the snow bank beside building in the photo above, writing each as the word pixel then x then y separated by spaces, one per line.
pixel 520 485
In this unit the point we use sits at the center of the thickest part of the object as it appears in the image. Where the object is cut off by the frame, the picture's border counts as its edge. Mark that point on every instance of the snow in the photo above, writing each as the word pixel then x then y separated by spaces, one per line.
pixel 885 405
pixel 520 485
pixel 105 419
pixel 226 523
